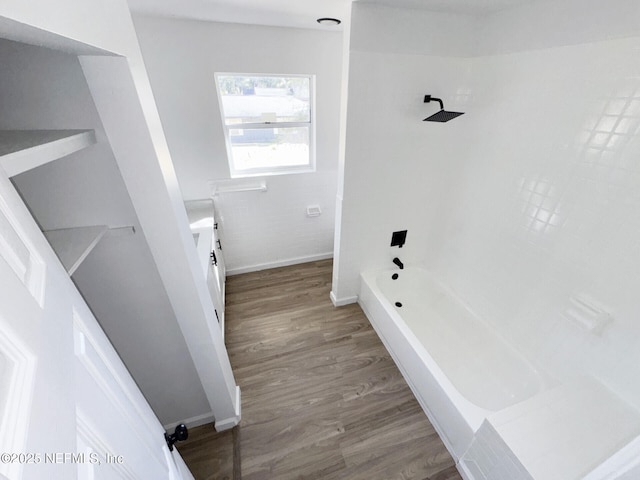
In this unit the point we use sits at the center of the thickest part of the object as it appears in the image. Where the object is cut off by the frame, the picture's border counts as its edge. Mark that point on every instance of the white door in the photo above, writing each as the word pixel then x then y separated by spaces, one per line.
pixel 68 406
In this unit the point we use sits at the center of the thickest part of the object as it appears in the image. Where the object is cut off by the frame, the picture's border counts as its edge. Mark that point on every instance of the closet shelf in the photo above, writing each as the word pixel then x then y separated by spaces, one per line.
pixel 22 150
pixel 73 245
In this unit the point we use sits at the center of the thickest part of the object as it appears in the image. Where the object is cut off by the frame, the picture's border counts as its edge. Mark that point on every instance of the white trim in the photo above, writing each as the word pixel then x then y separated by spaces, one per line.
pixel 232 186
pixel 15 416
pixel 251 126
pixel 340 302
pixel 309 167
pixel 192 422
pixel 280 263
pixel 464 472
pixel 96 443
pixel 227 423
pixel 34 274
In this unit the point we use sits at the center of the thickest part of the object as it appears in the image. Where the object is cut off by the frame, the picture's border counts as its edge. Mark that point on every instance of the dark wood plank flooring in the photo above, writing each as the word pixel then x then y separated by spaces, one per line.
pixel 321 397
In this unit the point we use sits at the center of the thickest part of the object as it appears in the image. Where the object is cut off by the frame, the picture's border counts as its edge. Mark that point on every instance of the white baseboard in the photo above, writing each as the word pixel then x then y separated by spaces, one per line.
pixel 192 422
pixel 280 263
pixel 227 423
pixel 340 302
pixel 464 472
pixel 224 424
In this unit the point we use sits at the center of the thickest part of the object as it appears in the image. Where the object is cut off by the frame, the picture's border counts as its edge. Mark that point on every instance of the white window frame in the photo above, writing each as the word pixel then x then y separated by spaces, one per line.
pixel 272 170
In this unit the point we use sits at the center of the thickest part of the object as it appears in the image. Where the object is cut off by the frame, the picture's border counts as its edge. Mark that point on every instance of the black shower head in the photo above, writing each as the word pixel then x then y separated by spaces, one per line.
pixel 441 116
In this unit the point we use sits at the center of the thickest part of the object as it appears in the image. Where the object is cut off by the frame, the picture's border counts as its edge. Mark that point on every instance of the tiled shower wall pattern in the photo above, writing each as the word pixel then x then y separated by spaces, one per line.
pixel 263 229
pixel 490 457
pixel 547 207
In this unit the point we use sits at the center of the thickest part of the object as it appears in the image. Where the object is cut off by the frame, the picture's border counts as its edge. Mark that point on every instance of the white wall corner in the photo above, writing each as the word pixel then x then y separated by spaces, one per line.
pixel 280 263
pixel 227 423
pixel 341 302
pixel 117 89
pixel 192 422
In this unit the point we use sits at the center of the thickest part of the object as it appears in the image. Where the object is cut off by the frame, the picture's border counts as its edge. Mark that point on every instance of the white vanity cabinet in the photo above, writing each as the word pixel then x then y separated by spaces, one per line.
pixel 218 240
pixel 205 228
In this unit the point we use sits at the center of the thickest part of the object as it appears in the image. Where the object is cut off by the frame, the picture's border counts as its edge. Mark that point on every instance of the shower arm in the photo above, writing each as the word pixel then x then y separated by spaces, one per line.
pixel 429 98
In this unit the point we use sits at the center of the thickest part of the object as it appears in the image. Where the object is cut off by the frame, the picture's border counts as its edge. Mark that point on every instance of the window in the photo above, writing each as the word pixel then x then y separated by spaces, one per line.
pixel 268 123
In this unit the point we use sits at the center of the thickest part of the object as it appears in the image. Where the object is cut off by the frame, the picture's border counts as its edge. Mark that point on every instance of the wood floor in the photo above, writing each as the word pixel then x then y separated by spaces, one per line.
pixel 321 397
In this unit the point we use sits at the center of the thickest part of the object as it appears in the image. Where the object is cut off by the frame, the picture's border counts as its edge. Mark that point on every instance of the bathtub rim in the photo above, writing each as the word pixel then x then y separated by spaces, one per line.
pixel 545 380
pixel 473 414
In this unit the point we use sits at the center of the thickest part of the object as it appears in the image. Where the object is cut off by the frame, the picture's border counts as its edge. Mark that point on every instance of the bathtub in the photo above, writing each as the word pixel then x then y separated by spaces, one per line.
pixel 459 370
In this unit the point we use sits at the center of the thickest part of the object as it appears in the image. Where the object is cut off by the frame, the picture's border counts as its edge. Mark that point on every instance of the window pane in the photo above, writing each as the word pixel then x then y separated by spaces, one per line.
pixel 253 148
pixel 255 99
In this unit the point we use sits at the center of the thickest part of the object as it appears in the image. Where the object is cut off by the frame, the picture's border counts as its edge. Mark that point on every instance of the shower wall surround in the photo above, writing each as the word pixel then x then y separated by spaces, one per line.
pixel 547 207
pixel 527 205
pixel 394 174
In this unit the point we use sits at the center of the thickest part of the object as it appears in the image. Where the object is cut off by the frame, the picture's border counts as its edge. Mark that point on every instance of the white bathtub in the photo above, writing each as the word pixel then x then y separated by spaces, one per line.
pixel 459 369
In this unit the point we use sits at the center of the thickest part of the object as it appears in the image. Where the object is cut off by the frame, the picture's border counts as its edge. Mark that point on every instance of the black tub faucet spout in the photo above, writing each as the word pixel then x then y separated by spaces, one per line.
pixel 398 263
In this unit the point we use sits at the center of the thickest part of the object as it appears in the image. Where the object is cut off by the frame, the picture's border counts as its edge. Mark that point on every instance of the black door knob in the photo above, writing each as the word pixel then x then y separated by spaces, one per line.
pixel 179 434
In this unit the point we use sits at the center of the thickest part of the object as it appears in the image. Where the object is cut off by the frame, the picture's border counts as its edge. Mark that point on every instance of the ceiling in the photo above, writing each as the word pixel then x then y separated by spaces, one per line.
pixel 299 13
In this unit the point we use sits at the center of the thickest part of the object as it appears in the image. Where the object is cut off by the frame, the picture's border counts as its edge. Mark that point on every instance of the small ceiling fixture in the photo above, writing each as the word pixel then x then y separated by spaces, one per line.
pixel 328 21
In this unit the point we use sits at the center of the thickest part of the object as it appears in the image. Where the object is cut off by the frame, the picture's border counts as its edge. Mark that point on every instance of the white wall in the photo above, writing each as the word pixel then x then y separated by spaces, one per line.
pixel 540 25
pixel 529 199
pixel 181 56
pixel 397 167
